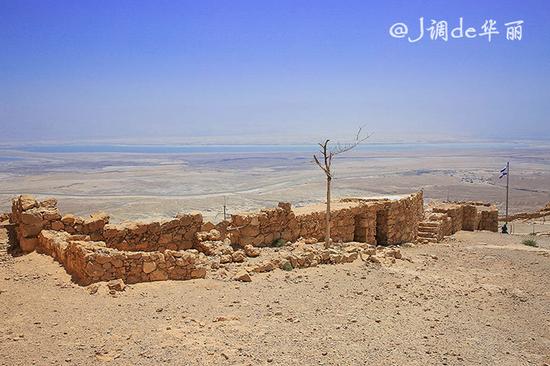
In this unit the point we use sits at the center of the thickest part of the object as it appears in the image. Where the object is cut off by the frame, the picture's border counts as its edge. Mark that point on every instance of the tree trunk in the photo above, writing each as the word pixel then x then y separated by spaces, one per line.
pixel 327 215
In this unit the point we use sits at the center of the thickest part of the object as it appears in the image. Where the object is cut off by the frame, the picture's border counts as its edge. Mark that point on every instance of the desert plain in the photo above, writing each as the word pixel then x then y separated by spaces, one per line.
pixel 145 183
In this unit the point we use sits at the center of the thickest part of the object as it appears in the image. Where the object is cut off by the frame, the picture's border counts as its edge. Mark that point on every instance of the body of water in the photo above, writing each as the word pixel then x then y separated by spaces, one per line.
pixel 206 149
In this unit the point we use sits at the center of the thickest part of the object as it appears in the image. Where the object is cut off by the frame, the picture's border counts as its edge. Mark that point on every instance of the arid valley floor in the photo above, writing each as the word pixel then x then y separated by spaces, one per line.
pixel 142 183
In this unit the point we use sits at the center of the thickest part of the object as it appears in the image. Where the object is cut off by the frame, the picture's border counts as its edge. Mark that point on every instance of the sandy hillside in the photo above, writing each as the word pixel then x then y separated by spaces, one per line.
pixel 479 299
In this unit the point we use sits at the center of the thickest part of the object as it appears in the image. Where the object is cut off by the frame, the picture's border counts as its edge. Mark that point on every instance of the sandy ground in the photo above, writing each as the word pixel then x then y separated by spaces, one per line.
pixel 476 299
pixel 142 186
pixel 540 226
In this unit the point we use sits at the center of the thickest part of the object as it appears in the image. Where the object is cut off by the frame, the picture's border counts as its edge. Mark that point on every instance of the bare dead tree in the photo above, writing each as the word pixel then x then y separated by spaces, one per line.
pixel 324 161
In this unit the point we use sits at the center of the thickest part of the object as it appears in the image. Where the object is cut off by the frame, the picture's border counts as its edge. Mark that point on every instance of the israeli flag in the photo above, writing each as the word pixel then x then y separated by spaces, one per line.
pixel 503 172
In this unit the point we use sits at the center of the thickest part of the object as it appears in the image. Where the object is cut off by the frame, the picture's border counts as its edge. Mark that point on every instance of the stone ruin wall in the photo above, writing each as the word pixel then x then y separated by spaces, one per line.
pixel 175 234
pixel 93 250
pixel 88 261
pixel 445 219
pixel 32 216
pixel 543 212
pixel 383 221
pixel 401 219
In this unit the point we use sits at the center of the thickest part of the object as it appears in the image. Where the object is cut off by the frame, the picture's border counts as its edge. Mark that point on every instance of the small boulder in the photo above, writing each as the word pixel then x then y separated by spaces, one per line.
pixel 251 251
pixel 116 285
pixel 68 219
pixel 238 256
pixel 27 245
pixel 286 265
pixel 27 202
pixel 374 259
pixel 226 258
pixel 199 272
pixel 243 276
pixel 31 218
pixel 207 226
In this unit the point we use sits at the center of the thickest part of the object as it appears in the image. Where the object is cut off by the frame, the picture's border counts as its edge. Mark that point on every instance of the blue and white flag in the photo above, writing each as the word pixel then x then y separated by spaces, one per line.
pixel 503 172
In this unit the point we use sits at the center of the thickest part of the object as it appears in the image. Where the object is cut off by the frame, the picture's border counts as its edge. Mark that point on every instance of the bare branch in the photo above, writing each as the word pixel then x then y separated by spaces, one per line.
pixel 342 148
pixel 320 166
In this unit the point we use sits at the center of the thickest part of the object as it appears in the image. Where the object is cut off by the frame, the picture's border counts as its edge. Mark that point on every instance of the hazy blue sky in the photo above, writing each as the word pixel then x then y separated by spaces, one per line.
pixel 178 69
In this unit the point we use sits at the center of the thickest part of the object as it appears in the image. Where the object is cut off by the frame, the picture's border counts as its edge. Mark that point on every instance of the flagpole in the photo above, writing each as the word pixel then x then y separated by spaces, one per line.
pixel 507 187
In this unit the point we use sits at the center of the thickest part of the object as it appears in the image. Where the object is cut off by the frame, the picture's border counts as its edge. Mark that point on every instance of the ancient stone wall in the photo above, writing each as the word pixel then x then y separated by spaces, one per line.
pixel 479 216
pixel 470 217
pixel 365 224
pixel 375 221
pixel 92 226
pixel 265 227
pixel 455 212
pixel 489 220
pixel 175 234
pixel 93 250
pixel 311 221
pixel 268 226
pixel 386 221
pixel 445 219
pixel 89 261
pixel 32 216
pixel 400 219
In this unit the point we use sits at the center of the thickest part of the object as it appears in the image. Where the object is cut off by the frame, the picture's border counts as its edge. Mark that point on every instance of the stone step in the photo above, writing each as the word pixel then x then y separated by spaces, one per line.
pixel 427 240
pixel 429 229
pixel 427 234
pixel 430 224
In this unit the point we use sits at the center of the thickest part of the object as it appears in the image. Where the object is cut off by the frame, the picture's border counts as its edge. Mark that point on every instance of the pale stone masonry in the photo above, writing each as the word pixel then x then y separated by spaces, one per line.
pixel 175 234
pixel 90 262
pixel 444 219
pixel 92 250
pixel 382 221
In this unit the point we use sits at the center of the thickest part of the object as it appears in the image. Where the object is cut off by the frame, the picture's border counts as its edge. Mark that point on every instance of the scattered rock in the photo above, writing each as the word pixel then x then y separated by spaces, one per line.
pixel 238 256
pixel 251 251
pixel 243 276
pixel 116 285
pixel 92 289
pixel 286 266
pixel 374 259
pixel 225 318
